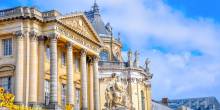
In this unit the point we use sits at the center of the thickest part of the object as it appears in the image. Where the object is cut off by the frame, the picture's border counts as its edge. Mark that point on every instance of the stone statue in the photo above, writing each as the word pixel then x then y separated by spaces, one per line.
pixel 116 94
pixel 147 62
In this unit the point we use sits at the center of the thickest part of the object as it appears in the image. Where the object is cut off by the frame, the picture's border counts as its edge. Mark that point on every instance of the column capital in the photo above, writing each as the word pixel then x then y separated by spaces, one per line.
pixel 41 38
pixel 19 34
pixel 53 36
pixel 95 59
pixel 33 35
pixel 69 44
pixel 83 52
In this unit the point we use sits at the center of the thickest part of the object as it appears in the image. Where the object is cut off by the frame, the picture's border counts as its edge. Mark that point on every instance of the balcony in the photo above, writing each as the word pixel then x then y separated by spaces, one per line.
pixel 112 64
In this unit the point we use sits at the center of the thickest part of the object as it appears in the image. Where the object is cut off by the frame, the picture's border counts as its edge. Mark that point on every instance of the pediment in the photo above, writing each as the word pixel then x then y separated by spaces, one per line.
pixel 79 22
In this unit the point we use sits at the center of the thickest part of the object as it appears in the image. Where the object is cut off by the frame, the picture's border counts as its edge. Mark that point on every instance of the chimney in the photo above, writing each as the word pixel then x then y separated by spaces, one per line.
pixel 165 101
pixel 130 58
pixel 136 60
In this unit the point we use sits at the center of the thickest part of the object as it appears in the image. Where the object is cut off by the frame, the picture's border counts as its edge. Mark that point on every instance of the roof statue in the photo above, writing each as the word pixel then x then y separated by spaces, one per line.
pixel 147 62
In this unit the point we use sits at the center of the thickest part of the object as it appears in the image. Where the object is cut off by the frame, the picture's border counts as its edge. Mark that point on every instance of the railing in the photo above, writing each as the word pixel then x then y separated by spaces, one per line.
pixel 10 12
pixel 112 64
pixel 27 12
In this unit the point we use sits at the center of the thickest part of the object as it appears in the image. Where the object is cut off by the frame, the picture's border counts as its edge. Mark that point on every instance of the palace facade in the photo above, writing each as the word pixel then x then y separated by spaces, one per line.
pixel 50 60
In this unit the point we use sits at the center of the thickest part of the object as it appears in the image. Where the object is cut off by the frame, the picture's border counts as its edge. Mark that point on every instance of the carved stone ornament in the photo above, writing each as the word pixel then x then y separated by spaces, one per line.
pixel 83 52
pixel 53 36
pixel 95 59
pixel 33 35
pixel 19 34
pixel 116 94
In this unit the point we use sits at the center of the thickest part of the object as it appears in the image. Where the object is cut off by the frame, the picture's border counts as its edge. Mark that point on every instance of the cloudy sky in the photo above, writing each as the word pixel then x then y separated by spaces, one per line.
pixel 181 38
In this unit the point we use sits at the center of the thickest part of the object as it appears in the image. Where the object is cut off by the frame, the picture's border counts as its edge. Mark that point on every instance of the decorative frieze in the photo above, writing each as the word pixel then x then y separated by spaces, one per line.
pixel 82 41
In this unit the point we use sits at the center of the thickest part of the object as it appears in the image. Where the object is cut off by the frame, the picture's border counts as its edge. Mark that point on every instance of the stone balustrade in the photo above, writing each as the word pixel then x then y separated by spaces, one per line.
pixel 27 12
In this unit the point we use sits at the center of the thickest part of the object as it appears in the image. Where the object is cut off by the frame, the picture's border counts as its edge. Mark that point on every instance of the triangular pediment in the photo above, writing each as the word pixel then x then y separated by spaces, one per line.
pixel 78 22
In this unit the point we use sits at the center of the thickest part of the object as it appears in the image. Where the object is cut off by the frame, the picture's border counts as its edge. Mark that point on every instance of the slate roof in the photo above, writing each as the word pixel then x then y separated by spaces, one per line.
pixel 204 103
pixel 95 18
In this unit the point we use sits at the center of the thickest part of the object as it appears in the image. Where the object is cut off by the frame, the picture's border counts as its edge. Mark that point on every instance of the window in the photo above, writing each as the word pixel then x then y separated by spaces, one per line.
pixel 7 46
pixel 77 99
pixel 104 56
pixel 63 94
pixel 5 82
pixel 46 92
pixel 63 58
pixel 77 63
pixel 48 52
pixel 142 100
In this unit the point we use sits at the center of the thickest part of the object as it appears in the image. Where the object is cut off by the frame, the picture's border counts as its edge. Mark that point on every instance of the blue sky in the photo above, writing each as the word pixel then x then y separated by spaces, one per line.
pixel 180 37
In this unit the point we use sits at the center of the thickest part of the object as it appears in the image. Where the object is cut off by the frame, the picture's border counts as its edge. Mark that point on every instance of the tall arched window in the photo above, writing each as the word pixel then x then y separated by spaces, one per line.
pixel 142 100
pixel 104 55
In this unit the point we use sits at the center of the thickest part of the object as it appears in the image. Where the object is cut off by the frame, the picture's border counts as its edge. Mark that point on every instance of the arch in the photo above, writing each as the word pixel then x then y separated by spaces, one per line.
pixel 104 55
pixel 7 67
pixel 7 70
pixel 142 100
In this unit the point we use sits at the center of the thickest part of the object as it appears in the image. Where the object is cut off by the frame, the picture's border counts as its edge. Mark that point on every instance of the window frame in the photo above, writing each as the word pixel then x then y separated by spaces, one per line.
pixel 102 53
pixel 9 46
pixel 6 81
pixel 63 58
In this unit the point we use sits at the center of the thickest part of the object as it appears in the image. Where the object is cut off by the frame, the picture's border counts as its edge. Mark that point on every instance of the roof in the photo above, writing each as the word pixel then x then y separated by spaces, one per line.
pixel 159 106
pixel 203 103
pixel 95 18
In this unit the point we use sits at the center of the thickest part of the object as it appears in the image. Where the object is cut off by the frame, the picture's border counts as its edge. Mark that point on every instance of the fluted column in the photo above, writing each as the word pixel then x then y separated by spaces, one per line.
pixel 96 83
pixel 70 78
pixel 41 71
pixel 84 80
pixel 19 75
pixel 53 71
pixel 32 100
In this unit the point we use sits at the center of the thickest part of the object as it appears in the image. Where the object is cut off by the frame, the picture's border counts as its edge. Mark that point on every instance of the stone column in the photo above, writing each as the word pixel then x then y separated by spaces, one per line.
pixel 90 79
pixel 84 80
pixel 32 100
pixel 53 104
pixel 96 83
pixel 19 72
pixel 70 84
pixel 41 71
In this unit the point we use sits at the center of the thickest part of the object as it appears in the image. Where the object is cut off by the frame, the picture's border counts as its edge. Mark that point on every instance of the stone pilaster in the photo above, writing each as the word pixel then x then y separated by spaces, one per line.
pixel 96 83
pixel 19 72
pixel 70 77
pixel 41 71
pixel 84 80
pixel 53 104
pixel 32 100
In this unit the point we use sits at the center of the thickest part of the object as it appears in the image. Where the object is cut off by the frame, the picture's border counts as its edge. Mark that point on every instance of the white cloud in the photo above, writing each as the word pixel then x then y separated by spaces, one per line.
pixel 152 23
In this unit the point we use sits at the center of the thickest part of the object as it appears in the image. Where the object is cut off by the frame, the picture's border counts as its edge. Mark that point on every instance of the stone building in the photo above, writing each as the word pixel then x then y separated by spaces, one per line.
pixel 123 84
pixel 201 103
pixel 159 106
pixel 49 60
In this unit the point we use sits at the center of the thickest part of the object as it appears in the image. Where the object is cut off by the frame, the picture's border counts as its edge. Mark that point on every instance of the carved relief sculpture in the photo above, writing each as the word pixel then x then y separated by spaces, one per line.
pixel 116 94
